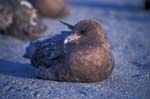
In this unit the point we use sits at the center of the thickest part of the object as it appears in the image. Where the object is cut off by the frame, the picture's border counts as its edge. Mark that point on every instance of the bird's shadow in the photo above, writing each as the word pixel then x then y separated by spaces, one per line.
pixel 16 69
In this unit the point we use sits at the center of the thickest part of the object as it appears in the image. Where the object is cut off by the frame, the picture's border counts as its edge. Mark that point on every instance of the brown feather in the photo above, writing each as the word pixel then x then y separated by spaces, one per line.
pixel 89 60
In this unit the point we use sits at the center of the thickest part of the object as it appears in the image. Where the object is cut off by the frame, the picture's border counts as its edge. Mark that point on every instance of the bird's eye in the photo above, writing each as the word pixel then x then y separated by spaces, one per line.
pixel 83 32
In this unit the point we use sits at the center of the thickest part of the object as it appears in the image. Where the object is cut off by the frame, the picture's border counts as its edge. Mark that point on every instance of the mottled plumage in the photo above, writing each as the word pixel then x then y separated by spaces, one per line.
pixel 51 8
pixel 18 18
pixel 81 55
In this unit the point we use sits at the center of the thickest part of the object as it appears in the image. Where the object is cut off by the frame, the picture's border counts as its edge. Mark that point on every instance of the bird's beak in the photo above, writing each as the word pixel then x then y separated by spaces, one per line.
pixel 72 38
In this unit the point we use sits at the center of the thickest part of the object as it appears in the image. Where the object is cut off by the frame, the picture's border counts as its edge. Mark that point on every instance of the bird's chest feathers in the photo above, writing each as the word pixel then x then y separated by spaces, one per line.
pixel 87 56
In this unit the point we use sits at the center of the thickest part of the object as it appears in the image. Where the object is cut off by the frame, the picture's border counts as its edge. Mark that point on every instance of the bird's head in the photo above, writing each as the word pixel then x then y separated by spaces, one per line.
pixel 86 30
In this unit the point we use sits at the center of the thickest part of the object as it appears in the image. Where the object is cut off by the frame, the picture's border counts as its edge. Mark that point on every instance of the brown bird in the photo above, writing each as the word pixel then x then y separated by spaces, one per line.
pixel 81 55
pixel 51 8
pixel 19 19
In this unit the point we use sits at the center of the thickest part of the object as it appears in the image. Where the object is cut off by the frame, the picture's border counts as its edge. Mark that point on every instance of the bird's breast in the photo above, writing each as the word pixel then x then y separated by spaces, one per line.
pixel 86 56
pixel 90 62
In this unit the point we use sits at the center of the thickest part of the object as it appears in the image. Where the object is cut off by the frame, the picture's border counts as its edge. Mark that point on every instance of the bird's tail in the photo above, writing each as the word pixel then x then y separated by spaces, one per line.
pixel 68 25
pixel 30 50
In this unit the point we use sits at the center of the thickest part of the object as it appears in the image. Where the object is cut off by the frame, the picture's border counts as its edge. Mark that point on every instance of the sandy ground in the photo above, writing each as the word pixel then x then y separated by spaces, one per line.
pixel 128 30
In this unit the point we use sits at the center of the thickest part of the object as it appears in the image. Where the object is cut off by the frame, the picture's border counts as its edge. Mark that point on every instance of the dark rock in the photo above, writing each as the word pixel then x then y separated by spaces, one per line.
pixel 147 4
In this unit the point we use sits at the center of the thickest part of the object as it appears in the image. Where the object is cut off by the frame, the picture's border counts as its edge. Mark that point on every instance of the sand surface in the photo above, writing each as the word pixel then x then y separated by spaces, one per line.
pixel 128 30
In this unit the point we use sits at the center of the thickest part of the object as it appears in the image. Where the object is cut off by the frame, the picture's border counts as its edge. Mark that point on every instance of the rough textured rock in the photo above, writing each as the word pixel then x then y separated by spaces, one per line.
pixel 18 18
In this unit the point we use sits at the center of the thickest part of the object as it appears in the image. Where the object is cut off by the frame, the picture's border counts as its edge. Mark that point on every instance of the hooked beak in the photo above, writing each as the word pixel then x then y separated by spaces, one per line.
pixel 72 38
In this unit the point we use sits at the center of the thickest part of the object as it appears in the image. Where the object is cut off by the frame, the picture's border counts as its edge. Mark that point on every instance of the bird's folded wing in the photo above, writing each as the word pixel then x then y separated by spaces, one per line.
pixel 46 51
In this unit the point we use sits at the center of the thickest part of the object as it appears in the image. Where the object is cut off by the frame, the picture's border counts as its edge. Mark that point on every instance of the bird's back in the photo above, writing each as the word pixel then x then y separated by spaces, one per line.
pixel 46 52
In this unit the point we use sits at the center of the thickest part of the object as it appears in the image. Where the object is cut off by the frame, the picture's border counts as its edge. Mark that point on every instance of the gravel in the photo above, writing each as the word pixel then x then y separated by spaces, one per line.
pixel 129 36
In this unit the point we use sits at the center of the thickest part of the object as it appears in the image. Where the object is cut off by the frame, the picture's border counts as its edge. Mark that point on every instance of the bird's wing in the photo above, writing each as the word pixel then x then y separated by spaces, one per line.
pixel 30 50
pixel 47 51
